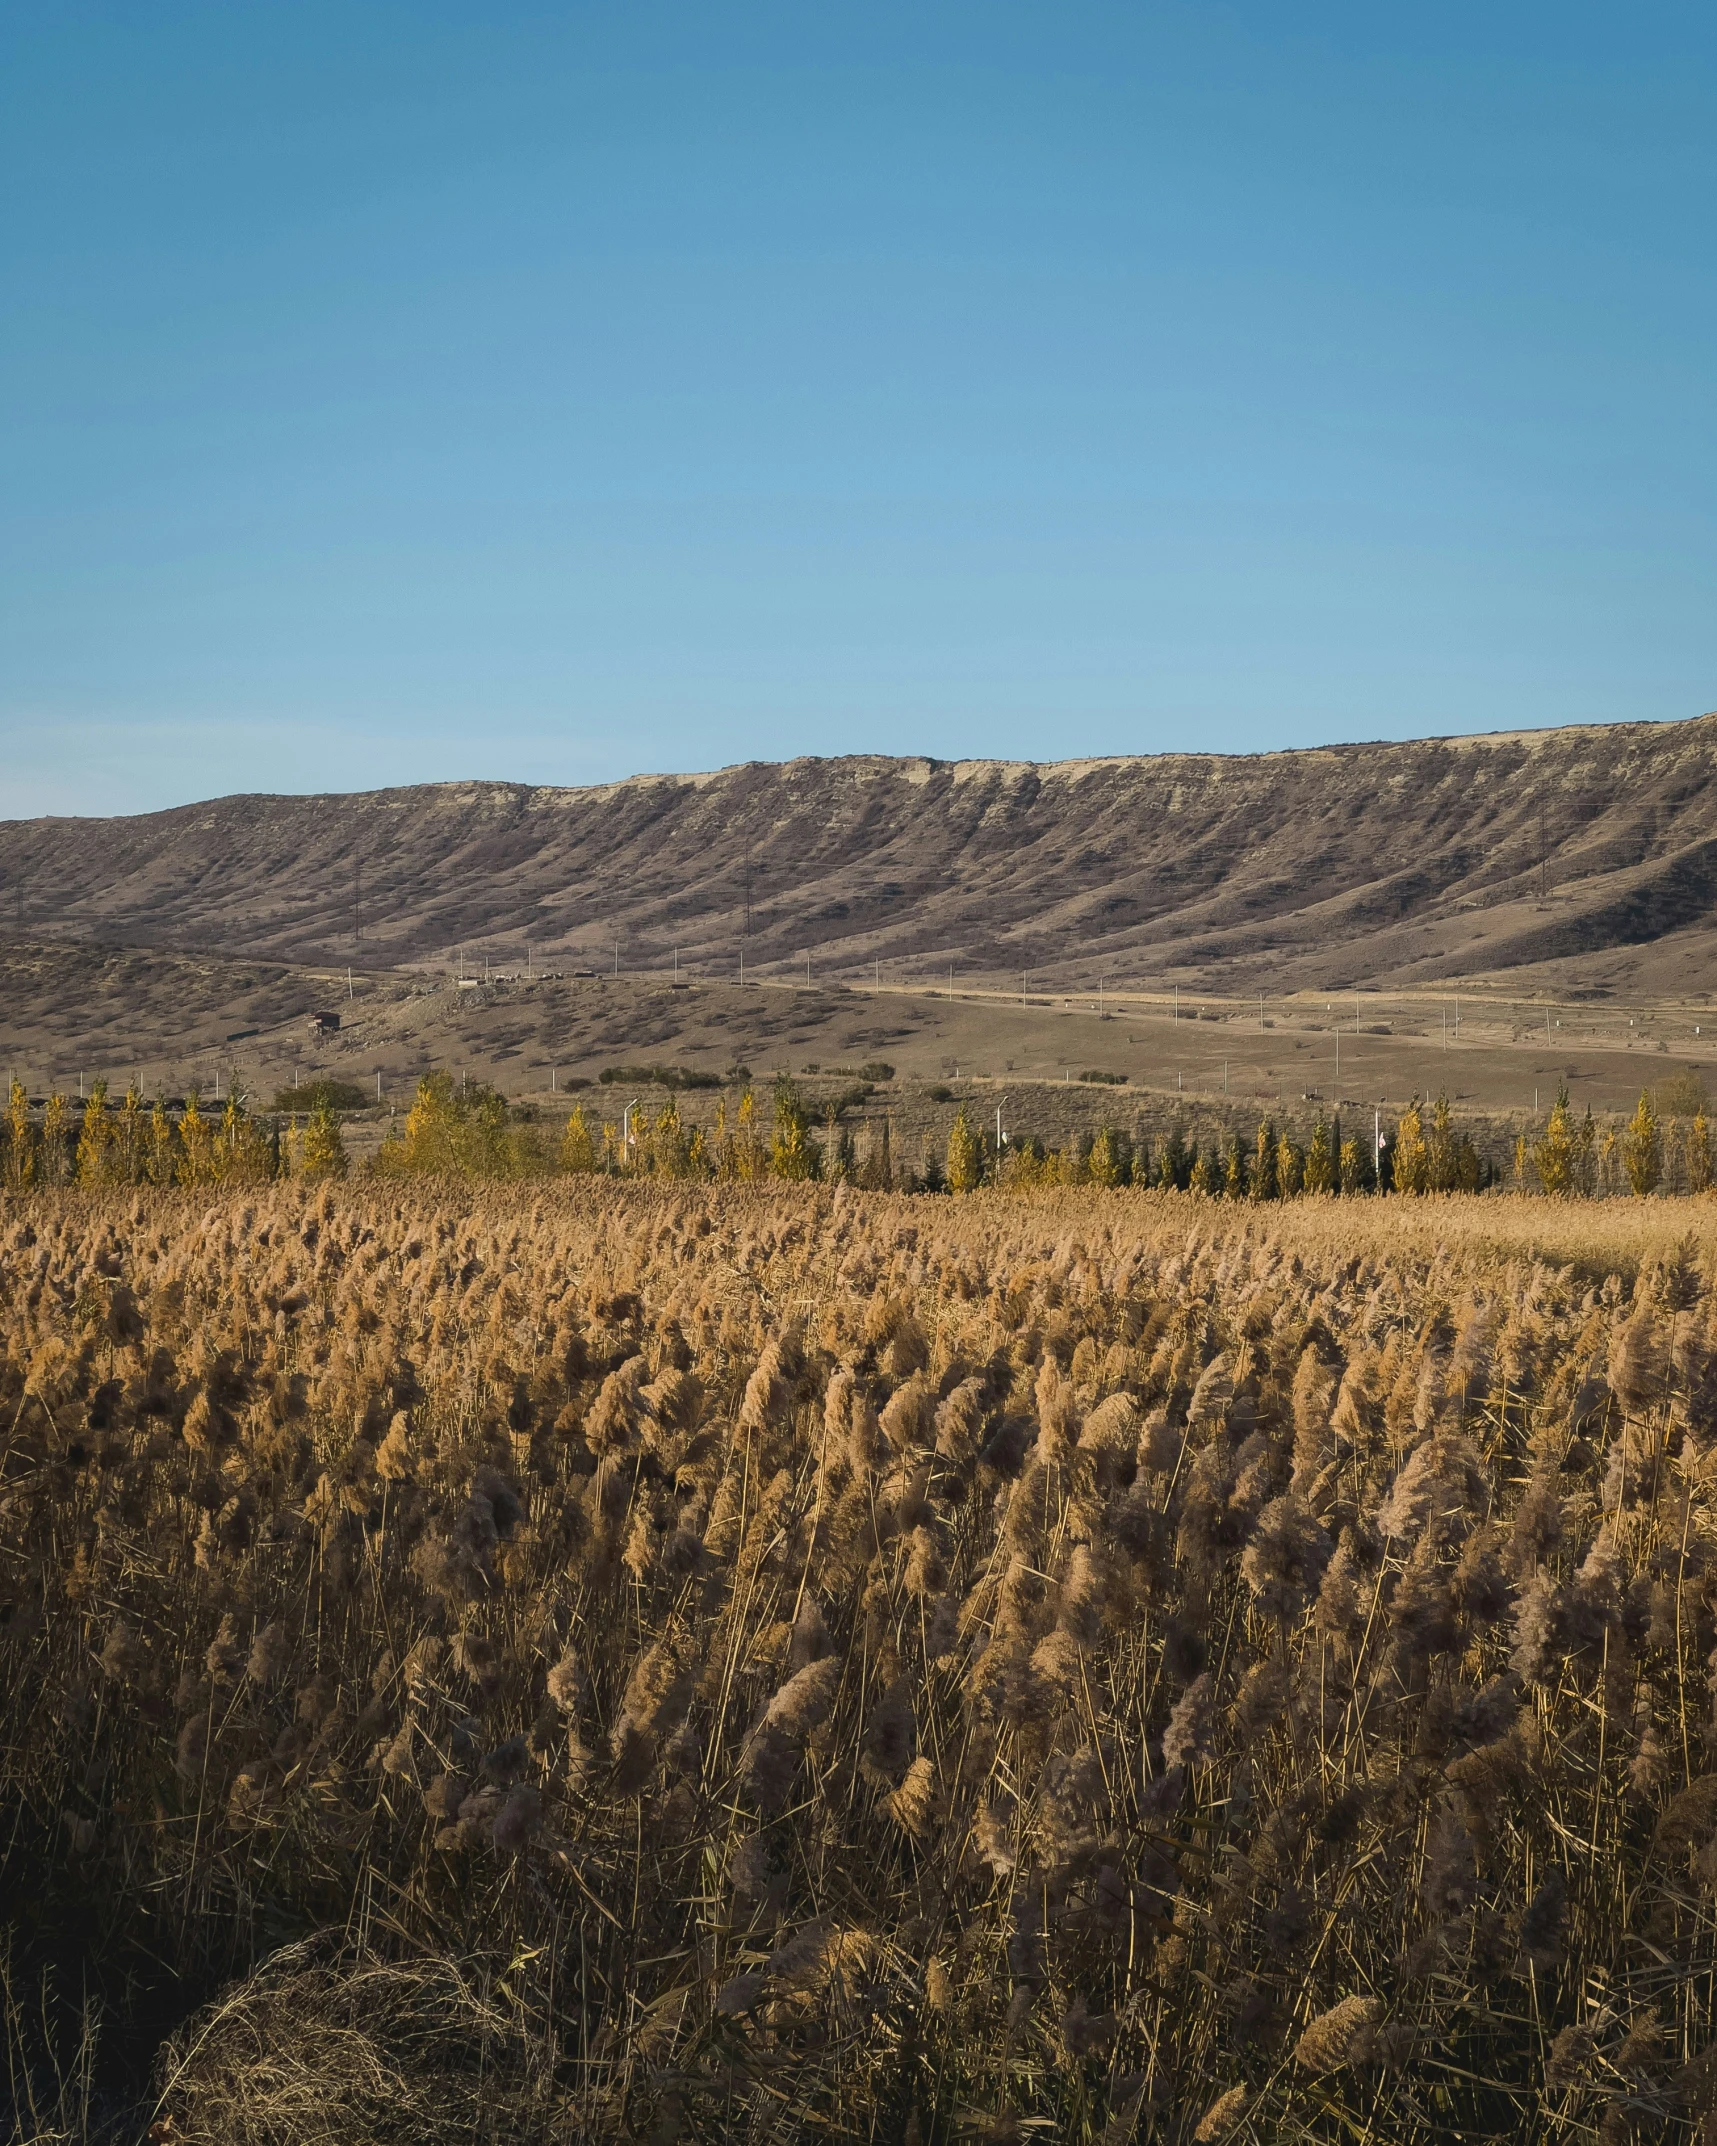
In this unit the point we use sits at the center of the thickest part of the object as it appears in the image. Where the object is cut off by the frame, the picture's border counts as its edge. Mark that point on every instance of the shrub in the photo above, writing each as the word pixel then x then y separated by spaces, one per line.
pixel 326 1094
pixel 1073 1662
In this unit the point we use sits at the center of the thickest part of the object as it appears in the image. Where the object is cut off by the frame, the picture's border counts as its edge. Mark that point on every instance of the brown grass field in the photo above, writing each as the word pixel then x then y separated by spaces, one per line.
pixel 625 1661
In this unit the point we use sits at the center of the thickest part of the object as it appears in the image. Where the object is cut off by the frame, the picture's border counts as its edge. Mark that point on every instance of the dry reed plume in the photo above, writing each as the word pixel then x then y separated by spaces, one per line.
pixel 728 1663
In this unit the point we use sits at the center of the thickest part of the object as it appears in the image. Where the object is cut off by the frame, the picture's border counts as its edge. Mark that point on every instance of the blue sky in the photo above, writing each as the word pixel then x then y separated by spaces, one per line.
pixel 391 393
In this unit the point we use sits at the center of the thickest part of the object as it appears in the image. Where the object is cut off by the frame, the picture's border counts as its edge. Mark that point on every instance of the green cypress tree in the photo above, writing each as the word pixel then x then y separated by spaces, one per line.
pixel 1698 1153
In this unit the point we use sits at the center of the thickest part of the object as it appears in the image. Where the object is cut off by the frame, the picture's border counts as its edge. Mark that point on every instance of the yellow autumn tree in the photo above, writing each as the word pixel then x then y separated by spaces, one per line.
pixel 1319 1174
pixel 322 1152
pixel 197 1160
pixel 577 1147
pixel 1642 1148
pixel 160 1160
pixel 1554 1156
pixel 20 1139
pixel 793 1153
pixel 130 1138
pixel 965 1162
pixel 1411 1155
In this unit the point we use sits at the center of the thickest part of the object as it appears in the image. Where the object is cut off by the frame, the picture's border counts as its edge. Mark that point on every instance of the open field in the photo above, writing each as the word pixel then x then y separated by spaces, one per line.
pixel 627 1661
pixel 72 1014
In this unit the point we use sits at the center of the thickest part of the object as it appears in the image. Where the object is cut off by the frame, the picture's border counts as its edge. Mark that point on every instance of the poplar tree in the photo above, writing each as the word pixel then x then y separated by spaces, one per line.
pixel 130 1141
pixel 159 1165
pixel 1698 1154
pixel 749 1160
pixel 1358 1171
pixel 322 1153
pixel 1586 1156
pixel 1442 1150
pixel 1319 1174
pixel 20 1140
pixel 244 1152
pixel 1290 1168
pixel 1642 1148
pixel 1263 1184
pixel 1108 1163
pixel 965 1155
pixel 430 1141
pixel 196 1144
pixel 1553 1157
pixel 669 1153
pixel 577 1148
pixel 1234 1171
pixel 1410 1158
pixel 877 1174
pixel 793 1153
pixel 1174 1165
pixel 56 1162
pixel 95 1139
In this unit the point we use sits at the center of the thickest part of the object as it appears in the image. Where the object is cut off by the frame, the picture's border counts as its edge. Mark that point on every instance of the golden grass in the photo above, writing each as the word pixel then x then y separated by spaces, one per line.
pixel 718 1663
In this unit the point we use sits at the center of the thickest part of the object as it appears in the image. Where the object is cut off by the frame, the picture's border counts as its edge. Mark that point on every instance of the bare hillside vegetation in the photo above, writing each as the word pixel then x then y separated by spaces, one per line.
pixel 1579 859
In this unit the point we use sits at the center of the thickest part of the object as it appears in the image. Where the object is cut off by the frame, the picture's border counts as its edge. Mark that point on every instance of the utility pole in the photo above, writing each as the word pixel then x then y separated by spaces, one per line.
pixel 1260 1013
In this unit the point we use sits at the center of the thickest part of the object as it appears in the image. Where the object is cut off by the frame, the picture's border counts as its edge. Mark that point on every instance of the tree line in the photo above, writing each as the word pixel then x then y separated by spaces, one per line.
pixel 469 1130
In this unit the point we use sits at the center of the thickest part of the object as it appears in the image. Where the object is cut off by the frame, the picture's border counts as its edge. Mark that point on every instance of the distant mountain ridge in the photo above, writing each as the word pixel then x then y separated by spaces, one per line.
pixel 1539 854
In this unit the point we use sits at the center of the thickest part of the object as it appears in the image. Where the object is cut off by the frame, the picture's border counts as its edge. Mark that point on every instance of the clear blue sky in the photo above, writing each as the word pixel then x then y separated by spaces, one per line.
pixel 397 392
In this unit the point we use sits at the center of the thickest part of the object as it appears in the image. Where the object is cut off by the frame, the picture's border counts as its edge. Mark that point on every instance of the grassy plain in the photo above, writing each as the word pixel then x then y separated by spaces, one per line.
pixel 71 1014
pixel 620 1661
